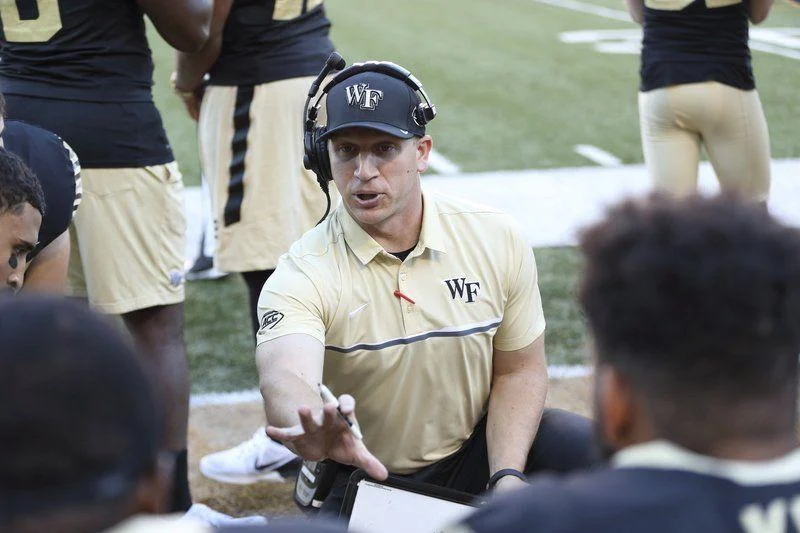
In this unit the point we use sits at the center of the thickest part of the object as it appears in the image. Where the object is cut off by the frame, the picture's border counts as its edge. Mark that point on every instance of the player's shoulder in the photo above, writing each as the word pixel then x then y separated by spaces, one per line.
pixel 618 500
pixel 22 132
pixel 159 524
pixel 44 151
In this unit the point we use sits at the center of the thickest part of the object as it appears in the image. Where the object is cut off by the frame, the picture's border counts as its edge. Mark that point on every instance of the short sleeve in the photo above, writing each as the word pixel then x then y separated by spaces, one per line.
pixel 290 302
pixel 523 317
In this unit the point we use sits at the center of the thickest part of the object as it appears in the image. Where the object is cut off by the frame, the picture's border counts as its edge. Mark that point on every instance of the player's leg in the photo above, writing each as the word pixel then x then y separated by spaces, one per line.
pixel 244 154
pixel 737 141
pixel 130 235
pixel 202 268
pixel 564 443
pixel 252 152
pixel 158 334
pixel 671 147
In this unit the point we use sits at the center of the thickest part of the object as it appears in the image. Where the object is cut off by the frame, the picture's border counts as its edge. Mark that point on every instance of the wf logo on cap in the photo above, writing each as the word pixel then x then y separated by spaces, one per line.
pixel 360 94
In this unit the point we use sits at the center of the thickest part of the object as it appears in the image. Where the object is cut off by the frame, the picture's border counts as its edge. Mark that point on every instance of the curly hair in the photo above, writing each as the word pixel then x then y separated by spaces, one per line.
pixel 18 184
pixel 696 300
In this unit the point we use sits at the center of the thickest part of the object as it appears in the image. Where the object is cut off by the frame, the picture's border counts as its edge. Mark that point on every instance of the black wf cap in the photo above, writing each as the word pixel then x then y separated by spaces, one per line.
pixel 375 101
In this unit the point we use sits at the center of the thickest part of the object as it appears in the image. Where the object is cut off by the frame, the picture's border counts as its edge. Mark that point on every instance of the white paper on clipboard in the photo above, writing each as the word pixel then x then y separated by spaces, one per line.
pixel 381 509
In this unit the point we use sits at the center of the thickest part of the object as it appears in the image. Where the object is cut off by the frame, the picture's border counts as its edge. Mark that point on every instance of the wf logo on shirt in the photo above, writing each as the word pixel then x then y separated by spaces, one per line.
pixel 360 94
pixel 465 290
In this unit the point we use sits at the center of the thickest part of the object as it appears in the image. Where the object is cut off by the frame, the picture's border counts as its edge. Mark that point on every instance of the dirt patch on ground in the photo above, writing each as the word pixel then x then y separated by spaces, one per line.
pixel 214 428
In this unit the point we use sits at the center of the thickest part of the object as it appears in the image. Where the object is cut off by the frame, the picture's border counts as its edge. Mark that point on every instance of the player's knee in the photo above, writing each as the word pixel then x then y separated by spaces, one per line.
pixel 156 326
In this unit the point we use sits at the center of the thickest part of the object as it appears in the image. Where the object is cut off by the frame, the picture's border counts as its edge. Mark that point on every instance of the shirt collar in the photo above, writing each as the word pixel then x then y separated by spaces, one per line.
pixel 366 248
pixel 432 235
pixel 662 454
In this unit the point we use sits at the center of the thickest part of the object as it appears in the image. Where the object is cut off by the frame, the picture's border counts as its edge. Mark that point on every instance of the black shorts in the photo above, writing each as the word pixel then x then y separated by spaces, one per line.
pixel 563 444
pixel 104 135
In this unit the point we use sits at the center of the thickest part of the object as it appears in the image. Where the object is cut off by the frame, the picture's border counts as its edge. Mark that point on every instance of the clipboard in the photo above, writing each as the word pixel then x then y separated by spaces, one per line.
pixel 399 504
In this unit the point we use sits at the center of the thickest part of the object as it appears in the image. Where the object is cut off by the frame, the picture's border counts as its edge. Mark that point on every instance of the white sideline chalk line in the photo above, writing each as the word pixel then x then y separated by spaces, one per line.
pixel 776 43
pixel 583 7
pixel 225 398
pixel 766 47
pixel 441 164
pixel 553 204
pixel 597 155
pixel 253 395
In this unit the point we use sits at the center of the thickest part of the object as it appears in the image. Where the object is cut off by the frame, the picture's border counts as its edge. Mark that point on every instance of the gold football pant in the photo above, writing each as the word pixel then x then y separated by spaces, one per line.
pixel 675 121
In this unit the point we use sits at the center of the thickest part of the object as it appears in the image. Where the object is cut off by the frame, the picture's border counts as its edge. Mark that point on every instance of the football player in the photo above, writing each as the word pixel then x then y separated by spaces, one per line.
pixel 698 89
pixel 83 70
pixel 692 307
pixel 56 167
pixel 259 62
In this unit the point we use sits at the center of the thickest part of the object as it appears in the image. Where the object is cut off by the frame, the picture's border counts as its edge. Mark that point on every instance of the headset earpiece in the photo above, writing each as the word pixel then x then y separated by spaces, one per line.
pixel 324 174
pixel 423 114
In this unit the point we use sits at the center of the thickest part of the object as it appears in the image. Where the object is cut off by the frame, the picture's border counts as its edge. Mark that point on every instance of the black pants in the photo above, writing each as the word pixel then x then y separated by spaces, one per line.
pixel 563 443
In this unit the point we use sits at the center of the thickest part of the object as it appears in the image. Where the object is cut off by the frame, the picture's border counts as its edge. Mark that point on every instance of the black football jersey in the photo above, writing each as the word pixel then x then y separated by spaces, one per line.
pixel 270 40
pixel 695 41
pixel 93 50
pixel 58 170
pixel 659 489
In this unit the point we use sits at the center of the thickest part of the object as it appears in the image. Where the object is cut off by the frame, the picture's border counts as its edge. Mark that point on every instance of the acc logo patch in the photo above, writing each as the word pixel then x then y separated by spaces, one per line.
pixel 271 319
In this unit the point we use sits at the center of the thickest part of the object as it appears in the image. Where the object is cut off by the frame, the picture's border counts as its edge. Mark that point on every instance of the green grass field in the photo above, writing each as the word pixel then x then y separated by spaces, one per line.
pixel 510 95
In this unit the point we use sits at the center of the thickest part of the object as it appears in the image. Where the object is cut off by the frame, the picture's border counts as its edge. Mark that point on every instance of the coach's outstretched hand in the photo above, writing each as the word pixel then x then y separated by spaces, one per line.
pixel 326 436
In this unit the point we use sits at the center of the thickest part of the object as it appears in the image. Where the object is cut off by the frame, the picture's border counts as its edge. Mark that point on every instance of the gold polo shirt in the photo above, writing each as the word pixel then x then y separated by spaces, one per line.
pixel 417 361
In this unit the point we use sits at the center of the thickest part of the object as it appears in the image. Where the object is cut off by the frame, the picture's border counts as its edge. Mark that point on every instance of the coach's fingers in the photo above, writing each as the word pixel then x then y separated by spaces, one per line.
pixel 370 464
pixel 331 419
pixel 309 423
pixel 347 404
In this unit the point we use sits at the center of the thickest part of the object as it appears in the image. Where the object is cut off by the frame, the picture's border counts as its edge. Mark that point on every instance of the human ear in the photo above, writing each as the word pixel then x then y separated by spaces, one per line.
pixel 424 146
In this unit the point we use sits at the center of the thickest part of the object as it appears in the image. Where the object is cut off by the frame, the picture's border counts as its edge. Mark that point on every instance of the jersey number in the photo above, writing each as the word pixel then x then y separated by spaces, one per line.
pixel 677 5
pixel 31 29
pixel 290 9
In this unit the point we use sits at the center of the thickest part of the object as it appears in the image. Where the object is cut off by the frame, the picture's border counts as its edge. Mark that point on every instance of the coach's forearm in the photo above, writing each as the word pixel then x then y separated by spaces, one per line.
pixel 284 392
pixel 515 409
pixel 289 370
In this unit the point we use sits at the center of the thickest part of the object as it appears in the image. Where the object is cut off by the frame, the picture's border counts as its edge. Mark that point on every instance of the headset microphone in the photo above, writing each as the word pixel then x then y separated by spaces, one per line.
pixel 334 62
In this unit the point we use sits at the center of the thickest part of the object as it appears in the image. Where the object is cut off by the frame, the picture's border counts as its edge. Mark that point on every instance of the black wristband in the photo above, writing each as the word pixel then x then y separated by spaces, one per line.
pixel 503 473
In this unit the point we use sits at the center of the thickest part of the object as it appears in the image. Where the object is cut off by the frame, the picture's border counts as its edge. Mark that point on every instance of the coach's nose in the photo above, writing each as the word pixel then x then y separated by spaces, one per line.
pixel 366 168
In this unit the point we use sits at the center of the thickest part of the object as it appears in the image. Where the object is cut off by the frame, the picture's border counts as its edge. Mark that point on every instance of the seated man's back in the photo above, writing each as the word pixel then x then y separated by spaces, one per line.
pixel 693 308
pixel 657 487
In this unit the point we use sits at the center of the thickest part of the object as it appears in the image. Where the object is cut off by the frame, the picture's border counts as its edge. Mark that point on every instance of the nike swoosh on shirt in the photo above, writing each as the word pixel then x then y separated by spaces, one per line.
pixel 357 310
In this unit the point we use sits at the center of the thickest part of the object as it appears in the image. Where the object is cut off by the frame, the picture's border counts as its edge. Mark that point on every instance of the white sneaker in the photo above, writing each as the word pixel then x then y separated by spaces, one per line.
pixel 256 459
pixel 203 514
